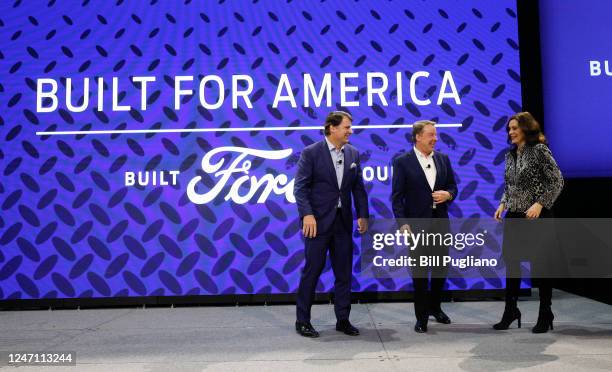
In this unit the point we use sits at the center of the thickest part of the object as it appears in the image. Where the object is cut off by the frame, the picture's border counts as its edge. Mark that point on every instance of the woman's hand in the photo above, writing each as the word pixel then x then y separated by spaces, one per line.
pixel 499 211
pixel 534 211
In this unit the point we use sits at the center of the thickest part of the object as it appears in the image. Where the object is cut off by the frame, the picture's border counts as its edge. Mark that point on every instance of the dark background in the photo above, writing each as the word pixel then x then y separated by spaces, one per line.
pixel 581 197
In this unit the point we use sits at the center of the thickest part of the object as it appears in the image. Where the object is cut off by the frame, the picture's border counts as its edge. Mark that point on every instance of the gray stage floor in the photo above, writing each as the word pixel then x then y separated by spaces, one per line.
pixel 262 338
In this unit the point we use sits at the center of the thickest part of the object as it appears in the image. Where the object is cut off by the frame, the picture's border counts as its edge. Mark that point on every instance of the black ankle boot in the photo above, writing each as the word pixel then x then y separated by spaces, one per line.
pixel 511 313
pixel 545 321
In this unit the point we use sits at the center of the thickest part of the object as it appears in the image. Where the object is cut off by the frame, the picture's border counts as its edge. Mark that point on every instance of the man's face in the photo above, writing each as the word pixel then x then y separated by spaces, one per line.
pixel 426 140
pixel 341 133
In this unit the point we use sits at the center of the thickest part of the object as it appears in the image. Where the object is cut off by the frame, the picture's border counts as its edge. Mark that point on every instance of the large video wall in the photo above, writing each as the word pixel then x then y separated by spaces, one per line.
pixel 150 148
pixel 577 85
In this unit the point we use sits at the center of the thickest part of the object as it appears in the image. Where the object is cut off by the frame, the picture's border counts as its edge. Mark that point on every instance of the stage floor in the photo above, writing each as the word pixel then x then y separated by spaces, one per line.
pixel 262 338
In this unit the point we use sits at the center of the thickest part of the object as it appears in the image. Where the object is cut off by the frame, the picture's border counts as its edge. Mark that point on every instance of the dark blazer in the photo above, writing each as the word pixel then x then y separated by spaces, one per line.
pixel 316 186
pixel 411 194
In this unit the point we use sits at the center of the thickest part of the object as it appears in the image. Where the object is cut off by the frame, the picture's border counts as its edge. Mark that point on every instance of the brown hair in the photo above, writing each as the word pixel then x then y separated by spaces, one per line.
pixel 334 119
pixel 530 127
pixel 418 127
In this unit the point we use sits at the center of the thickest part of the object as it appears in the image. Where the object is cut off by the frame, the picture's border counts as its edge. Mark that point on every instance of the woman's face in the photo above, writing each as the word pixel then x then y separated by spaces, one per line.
pixel 516 134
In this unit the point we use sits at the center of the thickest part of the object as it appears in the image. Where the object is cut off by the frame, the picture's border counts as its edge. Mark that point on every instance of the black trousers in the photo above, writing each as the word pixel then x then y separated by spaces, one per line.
pixel 428 292
pixel 513 270
pixel 340 245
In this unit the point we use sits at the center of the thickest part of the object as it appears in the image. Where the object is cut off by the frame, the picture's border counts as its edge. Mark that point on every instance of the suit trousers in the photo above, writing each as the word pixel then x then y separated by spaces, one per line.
pixel 340 245
pixel 428 292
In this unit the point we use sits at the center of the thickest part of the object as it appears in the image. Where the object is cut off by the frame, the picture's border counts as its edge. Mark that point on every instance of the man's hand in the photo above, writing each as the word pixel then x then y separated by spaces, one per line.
pixel 534 211
pixel 362 224
pixel 309 228
pixel 405 228
pixel 440 196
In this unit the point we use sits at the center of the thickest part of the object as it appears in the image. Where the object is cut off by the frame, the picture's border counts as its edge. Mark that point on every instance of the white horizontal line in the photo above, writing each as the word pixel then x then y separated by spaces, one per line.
pixel 250 129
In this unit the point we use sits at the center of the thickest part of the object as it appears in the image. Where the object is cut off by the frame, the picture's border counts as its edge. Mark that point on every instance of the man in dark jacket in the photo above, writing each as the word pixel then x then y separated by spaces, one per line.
pixel 328 177
pixel 423 186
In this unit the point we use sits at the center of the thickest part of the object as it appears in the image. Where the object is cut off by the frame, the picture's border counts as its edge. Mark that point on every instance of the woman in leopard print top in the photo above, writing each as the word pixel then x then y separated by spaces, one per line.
pixel 533 182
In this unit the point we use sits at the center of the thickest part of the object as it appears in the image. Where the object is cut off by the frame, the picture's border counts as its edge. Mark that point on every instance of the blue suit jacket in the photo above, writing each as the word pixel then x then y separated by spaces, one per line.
pixel 316 186
pixel 411 194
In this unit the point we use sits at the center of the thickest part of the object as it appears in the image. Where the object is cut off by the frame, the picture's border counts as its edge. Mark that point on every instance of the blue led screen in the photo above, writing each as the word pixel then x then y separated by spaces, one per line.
pixel 213 102
pixel 577 85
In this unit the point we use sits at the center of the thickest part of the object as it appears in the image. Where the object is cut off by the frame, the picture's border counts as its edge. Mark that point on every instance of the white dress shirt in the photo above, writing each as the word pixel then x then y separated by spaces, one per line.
pixel 428 165
pixel 338 160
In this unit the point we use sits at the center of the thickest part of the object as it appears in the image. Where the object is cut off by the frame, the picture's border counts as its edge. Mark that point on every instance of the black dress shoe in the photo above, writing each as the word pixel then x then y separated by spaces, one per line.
pixel 420 327
pixel 347 328
pixel 441 317
pixel 306 329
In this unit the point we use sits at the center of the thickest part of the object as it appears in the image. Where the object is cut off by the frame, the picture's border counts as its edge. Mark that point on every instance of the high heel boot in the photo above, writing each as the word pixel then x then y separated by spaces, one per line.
pixel 545 321
pixel 511 313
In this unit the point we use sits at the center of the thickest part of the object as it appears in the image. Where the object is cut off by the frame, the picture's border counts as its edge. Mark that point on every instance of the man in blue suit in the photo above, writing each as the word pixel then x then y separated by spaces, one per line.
pixel 423 186
pixel 328 174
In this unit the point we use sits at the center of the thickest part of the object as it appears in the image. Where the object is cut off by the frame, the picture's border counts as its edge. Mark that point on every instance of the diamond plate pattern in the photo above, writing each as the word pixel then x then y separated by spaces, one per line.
pixel 70 228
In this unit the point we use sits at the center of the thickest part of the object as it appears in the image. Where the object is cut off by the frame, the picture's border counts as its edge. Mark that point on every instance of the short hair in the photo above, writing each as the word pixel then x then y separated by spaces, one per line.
pixel 418 127
pixel 530 127
pixel 334 119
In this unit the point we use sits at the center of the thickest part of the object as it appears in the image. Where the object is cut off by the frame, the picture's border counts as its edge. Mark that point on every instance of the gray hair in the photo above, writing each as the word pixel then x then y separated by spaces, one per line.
pixel 418 127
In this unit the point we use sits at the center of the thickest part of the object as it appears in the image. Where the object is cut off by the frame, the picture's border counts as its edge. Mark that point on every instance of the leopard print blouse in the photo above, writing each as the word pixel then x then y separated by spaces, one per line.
pixel 531 176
